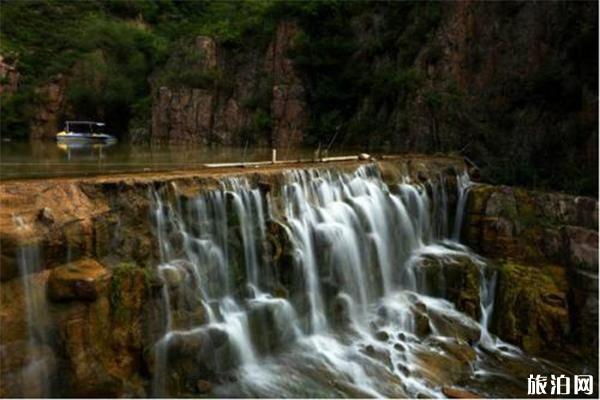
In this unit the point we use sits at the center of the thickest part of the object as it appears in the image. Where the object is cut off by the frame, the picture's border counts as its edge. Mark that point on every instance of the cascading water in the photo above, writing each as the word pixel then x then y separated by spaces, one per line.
pixel 214 270
pixel 36 371
pixel 463 183
pixel 356 317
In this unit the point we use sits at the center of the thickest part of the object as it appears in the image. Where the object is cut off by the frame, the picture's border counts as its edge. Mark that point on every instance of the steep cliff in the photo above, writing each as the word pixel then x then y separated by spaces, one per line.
pixel 208 94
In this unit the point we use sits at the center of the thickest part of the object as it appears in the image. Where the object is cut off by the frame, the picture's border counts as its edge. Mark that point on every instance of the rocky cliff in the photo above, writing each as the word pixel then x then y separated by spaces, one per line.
pixel 548 247
pixel 242 98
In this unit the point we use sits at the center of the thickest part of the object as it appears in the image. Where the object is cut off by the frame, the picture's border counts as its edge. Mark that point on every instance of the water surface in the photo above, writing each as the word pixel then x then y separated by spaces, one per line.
pixel 44 159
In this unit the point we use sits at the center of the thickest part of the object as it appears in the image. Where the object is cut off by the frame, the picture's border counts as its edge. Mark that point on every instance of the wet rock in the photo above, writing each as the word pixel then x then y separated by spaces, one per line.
pixel 530 226
pixel 84 280
pixel 534 306
pixel 364 156
pixel 265 187
pixel 455 277
pixel 455 393
pixel 554 299
pixel 421 319
pixel 457 348
pixel 218 337
pixel 383 312
pixel 341 310
pixel 205 354
pixel 382 336
pixel 271 325
pixel 380 354
pixel 457 326
pixel 403 369
pixel 184 344
pixel 542 232
pixel 281 292
pixel 172 276
pixel 203 387
pixel 399 347
pixel 26 369
pixel 88 362
pixel 45 216
pixel 439 369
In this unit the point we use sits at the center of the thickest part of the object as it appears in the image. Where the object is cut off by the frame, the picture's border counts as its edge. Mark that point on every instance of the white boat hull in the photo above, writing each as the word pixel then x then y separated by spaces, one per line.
pixel 85 138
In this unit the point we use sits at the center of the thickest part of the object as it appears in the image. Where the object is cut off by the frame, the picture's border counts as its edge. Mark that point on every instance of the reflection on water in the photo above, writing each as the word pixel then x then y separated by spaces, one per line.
pixel 40 159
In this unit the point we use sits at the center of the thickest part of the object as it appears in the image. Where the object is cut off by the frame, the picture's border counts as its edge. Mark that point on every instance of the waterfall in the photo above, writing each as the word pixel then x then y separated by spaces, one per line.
pixel 486 295
pixel 353 279
pixel 212 263
pixel 463 183
pixel 36 373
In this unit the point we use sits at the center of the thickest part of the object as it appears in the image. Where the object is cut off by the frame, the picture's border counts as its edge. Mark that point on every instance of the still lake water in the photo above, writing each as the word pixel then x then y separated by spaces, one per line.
pixel 45 159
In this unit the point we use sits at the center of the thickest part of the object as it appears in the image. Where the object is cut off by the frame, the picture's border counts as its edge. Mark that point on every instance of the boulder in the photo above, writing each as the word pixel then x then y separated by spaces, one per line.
pixel 271 324
pixel 382 336
pixel 83 280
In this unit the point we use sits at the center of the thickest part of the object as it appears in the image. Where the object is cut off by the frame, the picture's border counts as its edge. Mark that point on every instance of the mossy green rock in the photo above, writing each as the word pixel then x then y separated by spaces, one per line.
pixel 531 307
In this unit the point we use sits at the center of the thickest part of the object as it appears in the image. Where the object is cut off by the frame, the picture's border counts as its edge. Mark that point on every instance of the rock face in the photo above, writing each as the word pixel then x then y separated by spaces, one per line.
pixel 94 332
pixel 227 96
pixel 455 278
pixel 503 76
pixel 548 281
pixel 532 307
pixel 85 280
pixel 9 77
pixel 186 114
pixel 288 107
pixel 48 109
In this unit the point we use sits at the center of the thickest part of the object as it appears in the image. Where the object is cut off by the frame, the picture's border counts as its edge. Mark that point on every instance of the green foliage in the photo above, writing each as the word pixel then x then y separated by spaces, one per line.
pixel 12 120
pixel 124 276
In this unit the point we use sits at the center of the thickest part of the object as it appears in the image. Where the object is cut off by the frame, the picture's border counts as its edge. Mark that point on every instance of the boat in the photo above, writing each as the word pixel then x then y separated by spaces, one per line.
pixel 84 132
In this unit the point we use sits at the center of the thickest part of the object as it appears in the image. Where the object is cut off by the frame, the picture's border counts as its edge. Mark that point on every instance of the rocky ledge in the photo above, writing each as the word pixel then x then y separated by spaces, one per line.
pixel 96 256
pixel 546 245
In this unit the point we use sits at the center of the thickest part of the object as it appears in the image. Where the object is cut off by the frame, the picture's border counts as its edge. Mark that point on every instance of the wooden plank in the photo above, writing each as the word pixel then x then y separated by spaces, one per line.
pixel 257 163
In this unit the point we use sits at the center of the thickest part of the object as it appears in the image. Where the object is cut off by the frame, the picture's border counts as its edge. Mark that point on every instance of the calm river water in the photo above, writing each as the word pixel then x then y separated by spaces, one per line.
pixel 43 159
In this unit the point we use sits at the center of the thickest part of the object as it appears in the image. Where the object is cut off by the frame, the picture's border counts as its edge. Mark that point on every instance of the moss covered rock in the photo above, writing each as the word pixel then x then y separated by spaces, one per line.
pixel 531 308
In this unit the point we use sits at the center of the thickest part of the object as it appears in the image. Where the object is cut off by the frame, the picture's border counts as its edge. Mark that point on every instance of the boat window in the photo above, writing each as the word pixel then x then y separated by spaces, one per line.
pixel 79 128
